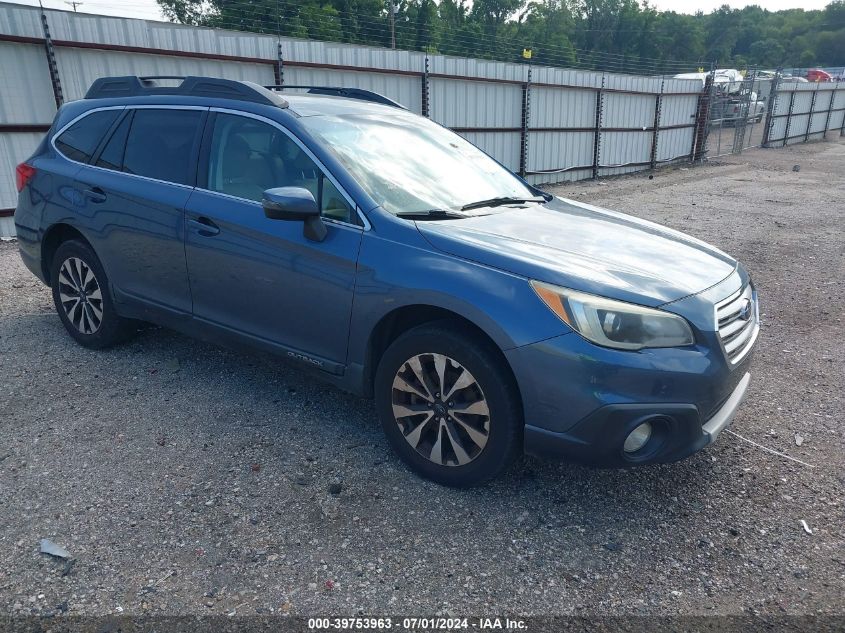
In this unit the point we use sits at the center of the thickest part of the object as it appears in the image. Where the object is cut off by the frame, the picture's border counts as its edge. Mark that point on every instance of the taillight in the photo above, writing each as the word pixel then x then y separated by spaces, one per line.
pixel 23 174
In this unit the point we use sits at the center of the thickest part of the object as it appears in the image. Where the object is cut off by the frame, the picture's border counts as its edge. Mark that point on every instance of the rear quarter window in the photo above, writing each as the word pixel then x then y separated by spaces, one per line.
pixel 112 155
pixel 79 141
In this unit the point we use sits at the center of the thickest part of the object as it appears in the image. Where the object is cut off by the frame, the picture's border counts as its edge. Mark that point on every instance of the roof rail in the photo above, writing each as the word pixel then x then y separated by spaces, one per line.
pixel 349 93
pixel 131 86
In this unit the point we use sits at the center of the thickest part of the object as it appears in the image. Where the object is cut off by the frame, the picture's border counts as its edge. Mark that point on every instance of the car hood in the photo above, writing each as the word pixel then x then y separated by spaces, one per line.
pixel 585 248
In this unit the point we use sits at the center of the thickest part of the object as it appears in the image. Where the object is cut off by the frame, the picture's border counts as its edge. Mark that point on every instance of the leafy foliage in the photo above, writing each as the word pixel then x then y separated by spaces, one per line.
pixel 608 34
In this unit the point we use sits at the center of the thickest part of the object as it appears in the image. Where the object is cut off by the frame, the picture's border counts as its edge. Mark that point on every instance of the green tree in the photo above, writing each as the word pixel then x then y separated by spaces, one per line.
pixel 614 35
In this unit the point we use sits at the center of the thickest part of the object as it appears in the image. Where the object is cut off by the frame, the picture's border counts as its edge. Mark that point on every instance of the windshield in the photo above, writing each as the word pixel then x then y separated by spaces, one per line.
pixel 410 165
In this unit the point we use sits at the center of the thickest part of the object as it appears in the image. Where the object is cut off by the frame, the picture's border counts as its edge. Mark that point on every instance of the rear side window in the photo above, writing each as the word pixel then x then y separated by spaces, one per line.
pixel 80 140
pixel 160 144
pixel 112 155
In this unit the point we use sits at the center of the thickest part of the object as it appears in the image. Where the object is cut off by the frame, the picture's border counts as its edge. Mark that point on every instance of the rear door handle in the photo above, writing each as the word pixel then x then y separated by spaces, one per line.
pixel 95 194
pixel 204 226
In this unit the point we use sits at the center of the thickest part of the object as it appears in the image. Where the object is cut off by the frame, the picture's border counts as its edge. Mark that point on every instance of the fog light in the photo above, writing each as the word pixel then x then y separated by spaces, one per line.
pixel 637 438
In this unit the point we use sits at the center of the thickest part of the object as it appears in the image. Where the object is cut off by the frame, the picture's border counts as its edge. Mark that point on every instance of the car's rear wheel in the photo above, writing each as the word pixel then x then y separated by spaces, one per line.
pixel 448 405
pixel 82 299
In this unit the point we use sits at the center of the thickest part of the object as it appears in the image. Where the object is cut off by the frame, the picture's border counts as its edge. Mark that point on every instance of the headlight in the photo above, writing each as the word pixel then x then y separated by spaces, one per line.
pixel 614 323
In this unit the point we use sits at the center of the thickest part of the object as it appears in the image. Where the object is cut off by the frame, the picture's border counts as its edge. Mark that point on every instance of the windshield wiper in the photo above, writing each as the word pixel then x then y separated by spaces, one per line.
pixel 498 202
pixel 431 214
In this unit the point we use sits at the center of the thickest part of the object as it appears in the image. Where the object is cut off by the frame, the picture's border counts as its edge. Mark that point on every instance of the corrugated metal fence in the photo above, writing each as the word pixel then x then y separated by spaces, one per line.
pixel 801 112
pixel 547 124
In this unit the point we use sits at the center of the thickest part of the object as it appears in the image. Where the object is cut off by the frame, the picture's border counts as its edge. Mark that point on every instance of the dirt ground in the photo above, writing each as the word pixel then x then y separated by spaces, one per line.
pixel 188 479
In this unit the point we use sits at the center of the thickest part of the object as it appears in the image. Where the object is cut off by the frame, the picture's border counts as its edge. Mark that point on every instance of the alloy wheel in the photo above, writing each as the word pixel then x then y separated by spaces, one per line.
pixel 80 295
pixel 441 409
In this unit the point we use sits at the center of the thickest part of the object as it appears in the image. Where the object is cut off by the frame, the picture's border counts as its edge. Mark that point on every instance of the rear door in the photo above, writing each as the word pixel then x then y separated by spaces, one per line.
pixel 137 186
pixel 263 278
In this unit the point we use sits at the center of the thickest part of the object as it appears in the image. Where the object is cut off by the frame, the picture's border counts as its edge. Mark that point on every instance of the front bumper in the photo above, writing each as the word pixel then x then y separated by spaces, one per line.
pixel 598 439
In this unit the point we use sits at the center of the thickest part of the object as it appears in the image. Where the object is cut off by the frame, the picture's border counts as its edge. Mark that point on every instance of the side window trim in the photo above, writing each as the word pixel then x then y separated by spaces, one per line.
pixel 362 222
pixel 205 151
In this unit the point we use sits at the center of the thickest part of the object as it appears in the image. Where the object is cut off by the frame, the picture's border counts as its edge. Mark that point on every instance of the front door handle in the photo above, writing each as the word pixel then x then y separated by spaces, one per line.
pixel 95 194
pixel 204 226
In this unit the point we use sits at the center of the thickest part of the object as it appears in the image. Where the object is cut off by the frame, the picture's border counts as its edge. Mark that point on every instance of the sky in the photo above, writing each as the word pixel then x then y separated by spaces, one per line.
pixel 148 9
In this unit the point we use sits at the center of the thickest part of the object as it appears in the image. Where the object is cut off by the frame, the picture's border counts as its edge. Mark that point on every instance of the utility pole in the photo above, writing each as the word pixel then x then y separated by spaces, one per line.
pixel 393 10
pixel 74 4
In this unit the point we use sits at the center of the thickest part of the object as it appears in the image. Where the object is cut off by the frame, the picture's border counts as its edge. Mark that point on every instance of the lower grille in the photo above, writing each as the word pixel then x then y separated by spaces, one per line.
pixel 737 320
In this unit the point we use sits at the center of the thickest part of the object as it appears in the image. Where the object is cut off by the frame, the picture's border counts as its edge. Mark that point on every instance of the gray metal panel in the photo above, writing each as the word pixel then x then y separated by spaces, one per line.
pixel 836 118
pixel 673 144
pixel 503 146
pixel 678 110
pixel 619 171
pixel 20 20
pixel 693 86
pixel 403 89
pixel 782 101
pixel 798 124
pixel 79 67
pixel 81 27
pixel 7 228
pixel 300 50
pixel 559 150
pixel 632 82
pixel 15 148
pixel 567 77
pixel 562 107
pixel 778 130
pixel 626 110
pixel 446 65
pixel 817 122
pixel 621 148
pixel 27 94
pixel 457 103
pixel 803 100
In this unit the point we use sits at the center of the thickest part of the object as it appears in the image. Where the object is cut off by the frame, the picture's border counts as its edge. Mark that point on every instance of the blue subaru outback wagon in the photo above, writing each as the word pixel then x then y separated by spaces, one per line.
pixel 394 259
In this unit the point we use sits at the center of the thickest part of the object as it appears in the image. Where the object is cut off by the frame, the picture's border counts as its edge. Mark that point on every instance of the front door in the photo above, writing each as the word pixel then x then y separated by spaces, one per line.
pixel 263 278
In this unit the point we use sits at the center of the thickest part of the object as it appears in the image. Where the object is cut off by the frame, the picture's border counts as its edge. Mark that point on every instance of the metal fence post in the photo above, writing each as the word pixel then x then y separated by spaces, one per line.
pixel 279 67
pixel 830 109
pixel 526 116
pixel 771 107
pixel 842 128
pixel 788 118
pixel 425 90
pixel 597 133
pixel 810 116
pixel 658 102
pixel 51 61
pixel 702 123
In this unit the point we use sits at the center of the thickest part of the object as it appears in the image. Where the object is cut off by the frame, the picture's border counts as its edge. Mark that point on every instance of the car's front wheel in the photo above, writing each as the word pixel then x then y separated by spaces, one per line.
pixel 82 299
pixel 448 405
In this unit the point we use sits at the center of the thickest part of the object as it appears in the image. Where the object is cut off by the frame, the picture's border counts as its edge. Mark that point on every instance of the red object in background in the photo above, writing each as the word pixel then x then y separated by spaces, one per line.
pixel 815 74
pixel 23 174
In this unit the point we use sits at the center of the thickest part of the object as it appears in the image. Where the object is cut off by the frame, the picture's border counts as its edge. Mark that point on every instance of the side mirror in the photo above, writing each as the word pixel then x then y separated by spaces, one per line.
pixel 295 204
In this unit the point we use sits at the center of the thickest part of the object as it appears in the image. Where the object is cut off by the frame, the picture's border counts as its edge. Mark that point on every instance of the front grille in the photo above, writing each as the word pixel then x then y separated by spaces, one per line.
pixel 737 320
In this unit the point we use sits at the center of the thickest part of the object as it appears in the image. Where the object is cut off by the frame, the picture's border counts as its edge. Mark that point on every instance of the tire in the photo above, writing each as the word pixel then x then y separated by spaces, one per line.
pixel 91 320
pixel 478 419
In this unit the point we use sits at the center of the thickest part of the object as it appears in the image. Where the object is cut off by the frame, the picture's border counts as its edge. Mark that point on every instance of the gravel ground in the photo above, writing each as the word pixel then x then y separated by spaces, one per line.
pixel 187 479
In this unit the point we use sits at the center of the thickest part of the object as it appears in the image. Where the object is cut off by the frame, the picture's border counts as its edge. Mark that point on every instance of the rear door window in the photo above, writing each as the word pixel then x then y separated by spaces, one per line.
pixel 80 140
pixel 161 143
